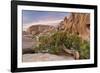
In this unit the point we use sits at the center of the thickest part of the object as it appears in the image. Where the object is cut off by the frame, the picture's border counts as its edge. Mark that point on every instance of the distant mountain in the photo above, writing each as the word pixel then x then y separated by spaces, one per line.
pixel 37 29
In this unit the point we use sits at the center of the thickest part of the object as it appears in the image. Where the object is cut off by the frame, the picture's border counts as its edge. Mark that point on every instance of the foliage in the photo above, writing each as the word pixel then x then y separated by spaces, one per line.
pixel 84 50
pixel 53 44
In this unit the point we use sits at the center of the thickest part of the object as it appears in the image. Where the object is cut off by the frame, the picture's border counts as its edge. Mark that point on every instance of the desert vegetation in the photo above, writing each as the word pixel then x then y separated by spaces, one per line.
pixel 58 41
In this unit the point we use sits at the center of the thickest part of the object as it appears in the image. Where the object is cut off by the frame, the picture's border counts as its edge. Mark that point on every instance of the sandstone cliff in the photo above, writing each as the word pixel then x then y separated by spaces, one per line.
pixel 78 23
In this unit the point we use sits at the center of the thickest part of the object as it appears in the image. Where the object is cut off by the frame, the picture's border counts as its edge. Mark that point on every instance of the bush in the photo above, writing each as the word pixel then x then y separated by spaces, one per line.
pixel 84 50
pixel 53 44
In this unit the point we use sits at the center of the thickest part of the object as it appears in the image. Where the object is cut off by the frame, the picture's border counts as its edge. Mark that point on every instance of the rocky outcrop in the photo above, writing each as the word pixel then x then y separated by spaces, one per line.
pixel 78 23
pixel 37 29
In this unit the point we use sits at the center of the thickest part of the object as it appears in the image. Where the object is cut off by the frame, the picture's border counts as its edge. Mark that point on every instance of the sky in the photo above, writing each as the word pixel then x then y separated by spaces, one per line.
pixel 31 17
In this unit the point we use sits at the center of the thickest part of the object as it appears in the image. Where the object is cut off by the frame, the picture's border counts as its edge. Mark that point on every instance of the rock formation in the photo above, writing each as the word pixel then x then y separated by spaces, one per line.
pixel 37 29
pixel 78 23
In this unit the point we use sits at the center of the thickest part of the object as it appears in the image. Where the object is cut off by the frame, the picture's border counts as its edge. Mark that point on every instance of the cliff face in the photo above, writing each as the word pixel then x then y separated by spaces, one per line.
pixel 78 23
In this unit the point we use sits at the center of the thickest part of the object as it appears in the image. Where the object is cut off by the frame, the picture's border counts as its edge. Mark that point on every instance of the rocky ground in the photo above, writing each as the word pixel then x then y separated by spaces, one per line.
pixel 44 57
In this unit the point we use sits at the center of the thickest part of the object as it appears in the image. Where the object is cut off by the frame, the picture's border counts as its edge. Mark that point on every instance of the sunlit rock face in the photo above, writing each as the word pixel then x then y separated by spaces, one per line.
pixel 78 23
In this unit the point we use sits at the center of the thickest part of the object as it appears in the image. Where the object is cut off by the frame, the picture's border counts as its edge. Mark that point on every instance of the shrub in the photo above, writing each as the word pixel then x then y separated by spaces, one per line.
pixel 53 44
pixel 84 50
